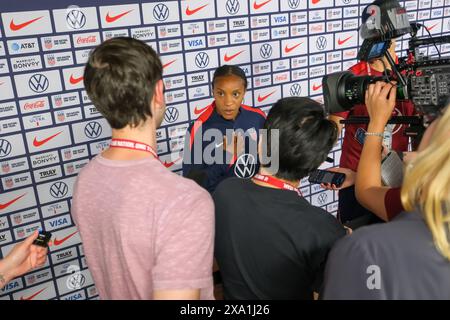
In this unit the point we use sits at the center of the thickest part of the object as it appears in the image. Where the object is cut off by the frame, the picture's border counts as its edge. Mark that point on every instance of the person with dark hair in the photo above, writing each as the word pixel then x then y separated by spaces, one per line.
pixel 138 221
pixel 270 242
pixel 394 135
pixel 235 128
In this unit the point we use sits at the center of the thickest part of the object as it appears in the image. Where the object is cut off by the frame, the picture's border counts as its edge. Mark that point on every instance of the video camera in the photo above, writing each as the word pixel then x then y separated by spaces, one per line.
pixel 424 81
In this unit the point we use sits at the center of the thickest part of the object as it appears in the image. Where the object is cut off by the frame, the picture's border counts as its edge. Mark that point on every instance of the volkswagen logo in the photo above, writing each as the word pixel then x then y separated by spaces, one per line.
pixel 321 43
pixel 296 90
pixel 233 6
pixel 266 51
pixel 322 198
pixel 93 129
pixel 5 148
pixel 171 115
pixel 76 280
pixel 293 4
pixel 161 12
pixel 346 1
pixel 202 60
pixel 59 189
pixel 245 166
pixel 75 19
pixel 38 83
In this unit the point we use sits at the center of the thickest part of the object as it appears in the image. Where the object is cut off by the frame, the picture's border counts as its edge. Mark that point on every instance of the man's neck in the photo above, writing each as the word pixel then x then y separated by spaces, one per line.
pixel 145 133
pixel 262 171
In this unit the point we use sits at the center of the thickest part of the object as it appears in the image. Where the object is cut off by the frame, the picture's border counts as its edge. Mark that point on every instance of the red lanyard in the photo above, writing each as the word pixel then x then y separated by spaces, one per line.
pixel 133 145
pixel 276 183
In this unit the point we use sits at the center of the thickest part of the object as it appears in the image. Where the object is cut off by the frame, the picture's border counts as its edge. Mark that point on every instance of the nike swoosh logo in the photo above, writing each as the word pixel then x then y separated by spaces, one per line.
pixel 31 297
pixel 218 145
pixel 198 111
pixel 73 80
pixel 110 19
pixel 287 49
pixel 60 242
pixel 432 27
pixel 229 58
pixel 38 143
pixel 341 42
pixel 169 164
pixel 6 205
pixel 257 6
pixel 315 1
pixel 17 27
pixel 315 88
pixel 261 99
pixel 190 12
pixel 169 63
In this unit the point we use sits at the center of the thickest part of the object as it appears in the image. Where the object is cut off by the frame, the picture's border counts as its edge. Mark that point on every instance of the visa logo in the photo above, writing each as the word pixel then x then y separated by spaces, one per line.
pixel 59 222
pixel 195 43
pixel 11 286
pixel 280 19
pixel 77 296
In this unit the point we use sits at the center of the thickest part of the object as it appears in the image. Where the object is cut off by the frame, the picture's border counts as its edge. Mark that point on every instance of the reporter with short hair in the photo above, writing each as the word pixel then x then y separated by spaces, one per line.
pixel 270 242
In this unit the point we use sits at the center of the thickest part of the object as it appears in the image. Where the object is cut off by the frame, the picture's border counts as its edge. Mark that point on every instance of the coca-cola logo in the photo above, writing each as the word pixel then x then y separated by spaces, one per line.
pixel 89 39
pixel 34 105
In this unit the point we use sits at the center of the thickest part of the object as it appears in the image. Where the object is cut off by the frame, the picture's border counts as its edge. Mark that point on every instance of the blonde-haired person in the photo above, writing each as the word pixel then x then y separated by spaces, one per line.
pixel 396 260
pixel 427 185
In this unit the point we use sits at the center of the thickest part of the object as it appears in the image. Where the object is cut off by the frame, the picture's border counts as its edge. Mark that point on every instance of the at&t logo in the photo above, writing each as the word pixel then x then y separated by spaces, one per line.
pixel 93 130
pixel 75 19
pixel 202 60
pixel 38 83
pixel 161 12
pixel 233 6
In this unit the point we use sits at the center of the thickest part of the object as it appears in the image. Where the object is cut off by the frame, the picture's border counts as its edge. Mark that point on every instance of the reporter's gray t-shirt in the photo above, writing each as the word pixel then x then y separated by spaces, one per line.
pixel 395 260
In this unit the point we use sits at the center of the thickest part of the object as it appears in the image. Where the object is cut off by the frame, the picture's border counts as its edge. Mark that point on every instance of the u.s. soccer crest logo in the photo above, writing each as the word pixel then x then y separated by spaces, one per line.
pixel 164 46
pixel 17 219
pixel 67 154
pixel 9 183
pixel 51 60
pixel 48 44
pixel 5 167
pixel 168 83
pixel 61 116
pixel 58 101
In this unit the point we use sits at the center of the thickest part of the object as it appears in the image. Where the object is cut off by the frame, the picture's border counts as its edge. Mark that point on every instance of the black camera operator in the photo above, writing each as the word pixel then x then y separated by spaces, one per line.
pixel 394 137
